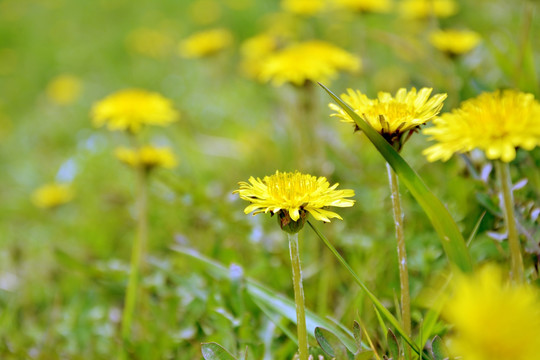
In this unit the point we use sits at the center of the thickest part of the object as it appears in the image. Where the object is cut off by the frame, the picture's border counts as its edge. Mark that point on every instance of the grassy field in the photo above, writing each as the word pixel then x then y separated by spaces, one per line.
pixel 211 273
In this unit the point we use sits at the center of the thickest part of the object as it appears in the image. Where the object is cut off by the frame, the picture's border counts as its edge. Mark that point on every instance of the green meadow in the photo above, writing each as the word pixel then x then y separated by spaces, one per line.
pixel 213 282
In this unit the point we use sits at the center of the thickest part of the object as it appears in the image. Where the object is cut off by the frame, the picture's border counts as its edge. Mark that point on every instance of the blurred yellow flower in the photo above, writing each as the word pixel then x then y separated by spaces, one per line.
pixel 421 9
pixel 303 7
pixel 205 12
pixel 150 42
pixel 495 122
pixel 254 50
pixel 64 89
pixel 147 157
pixel 205 43
pixel 454 42
pixel 493 320
pixel 374 6
pixel 391 116
pixel 52 195
pixel 292 196
pixel 308 61
pixel 130 109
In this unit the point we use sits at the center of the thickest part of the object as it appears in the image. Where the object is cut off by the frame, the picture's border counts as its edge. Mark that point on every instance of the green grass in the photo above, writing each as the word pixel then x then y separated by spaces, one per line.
pixel 63 273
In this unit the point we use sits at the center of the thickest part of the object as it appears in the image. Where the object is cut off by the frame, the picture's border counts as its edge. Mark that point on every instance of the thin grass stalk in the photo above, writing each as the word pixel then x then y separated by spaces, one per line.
pixel 137 252
pixel 516 259
pixel 401 250
pixel 298 297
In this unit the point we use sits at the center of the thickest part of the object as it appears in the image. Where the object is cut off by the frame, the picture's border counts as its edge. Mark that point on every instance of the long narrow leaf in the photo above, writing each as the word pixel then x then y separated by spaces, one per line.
pixel 451 238
pixel 277 303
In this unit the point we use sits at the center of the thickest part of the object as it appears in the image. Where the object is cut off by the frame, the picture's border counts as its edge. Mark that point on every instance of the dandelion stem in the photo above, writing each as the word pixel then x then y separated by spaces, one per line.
pixel 298 296
pixel 503 172
pixel 401 251
pixel 137 252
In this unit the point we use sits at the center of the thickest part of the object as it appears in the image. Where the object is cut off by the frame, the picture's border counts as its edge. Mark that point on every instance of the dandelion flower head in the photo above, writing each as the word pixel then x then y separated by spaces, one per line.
pixel 308 61
pixel 64 89
pixel 130 109
pixel 496 122
pixel 52 195
pixel 493 320
pixel 147 157
pixel 294 195
pixel 421 9
pixel 367 6
pixel 205 43
pixel 303 7
pixel 454 42
pixel 392 116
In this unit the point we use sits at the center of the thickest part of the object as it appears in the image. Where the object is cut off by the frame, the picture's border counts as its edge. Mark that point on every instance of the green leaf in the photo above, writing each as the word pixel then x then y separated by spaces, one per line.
pixel 364 355
pixel 357 331
pixel 378 305
pixel 451 238
pixel 214 351
pixel 331 345
pixel 276 302
pixel 393 345
pixel 438 349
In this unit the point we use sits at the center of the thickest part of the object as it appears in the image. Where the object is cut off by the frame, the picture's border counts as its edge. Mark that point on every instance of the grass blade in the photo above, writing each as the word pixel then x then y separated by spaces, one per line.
pixel 276 302
pixel 451 238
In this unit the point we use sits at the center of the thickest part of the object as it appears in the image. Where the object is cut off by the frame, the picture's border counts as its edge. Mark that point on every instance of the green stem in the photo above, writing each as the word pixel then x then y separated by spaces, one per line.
pixel 503 172
pixel 137 252
pixel 401 250
pixel 298 297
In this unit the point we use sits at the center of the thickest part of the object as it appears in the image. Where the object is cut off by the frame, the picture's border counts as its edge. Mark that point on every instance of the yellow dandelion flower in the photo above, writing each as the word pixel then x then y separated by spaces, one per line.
pixel 130 109
pixel 421 9
pixel 150 42
pixel 454 42
pixel 493 320
pixel 303 7
pixel 147 157
pixel 292 196
pixel 496 122
pixel 64 89
pixel 205 43
pixel 52 195
pixel 391 116
pixel 365 6
pixel 308 61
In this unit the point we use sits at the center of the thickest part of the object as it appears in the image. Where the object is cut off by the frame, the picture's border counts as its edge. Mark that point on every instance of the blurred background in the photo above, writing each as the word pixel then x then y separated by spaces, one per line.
pixel 63 269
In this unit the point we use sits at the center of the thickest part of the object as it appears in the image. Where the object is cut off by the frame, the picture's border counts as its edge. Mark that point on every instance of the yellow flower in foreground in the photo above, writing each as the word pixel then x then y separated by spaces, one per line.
pixel 147 157
pixel 292 196
pixel 454 42
pixel 130 109
pixel 205 43
pixel 64 89
pixel 380 6
pixel 421 9
pixel 308 61
pixel 493 320
pixel 495 122
pixel 391 116
pixel 303 7
pixel 52 195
